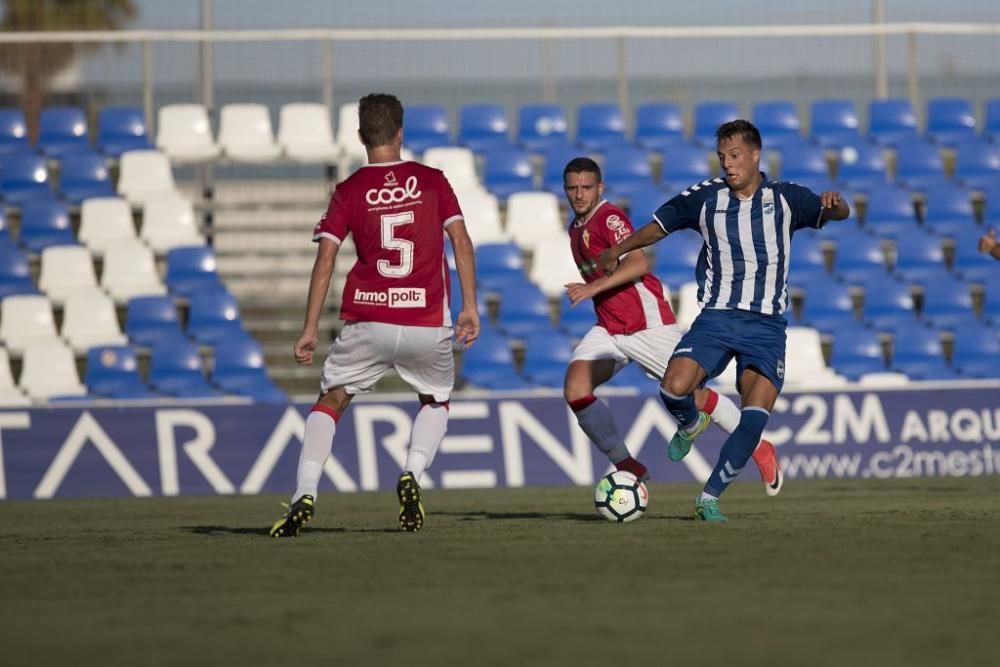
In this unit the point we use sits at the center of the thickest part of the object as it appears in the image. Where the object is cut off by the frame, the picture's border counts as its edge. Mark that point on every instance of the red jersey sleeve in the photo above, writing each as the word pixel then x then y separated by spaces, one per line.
pixel 450 210
pixel 333 224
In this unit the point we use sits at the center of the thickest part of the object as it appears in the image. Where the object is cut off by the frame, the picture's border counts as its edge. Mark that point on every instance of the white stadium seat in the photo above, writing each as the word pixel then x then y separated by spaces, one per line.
pixel 482 216
pixel 168 221
pixel 305 133
pixel 26 319
pixel 245 133
pixel 67 270
pixel 50 370
pixel 554 267
pixel 688 309
pixel 90 319
pixel 457 163
pixel 130 270
pixel 185 134
pixel 532 216
pixel 351 149
pixel 104 221
pixel 804 364
pixel 10 395
pixel 144 174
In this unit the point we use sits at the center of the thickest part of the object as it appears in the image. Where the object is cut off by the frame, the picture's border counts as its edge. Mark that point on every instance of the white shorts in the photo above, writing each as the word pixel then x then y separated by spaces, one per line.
pixel 365 351
pixel 650 348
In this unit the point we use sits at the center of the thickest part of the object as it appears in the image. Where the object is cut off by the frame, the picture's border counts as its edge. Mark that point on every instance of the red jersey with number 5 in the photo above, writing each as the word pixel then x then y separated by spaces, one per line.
pixel 397 212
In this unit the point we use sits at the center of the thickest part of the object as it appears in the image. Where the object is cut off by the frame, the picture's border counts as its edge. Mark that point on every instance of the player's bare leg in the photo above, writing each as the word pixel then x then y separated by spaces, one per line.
pixel 683 376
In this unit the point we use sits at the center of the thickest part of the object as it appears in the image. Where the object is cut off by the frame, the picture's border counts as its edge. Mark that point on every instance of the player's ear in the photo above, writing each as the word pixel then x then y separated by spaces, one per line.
pixel 600 189
pixel 399 136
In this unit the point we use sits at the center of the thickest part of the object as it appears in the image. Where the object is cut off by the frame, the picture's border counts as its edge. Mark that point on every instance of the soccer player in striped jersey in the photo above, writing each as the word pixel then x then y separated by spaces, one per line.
pixel 747 223
pixel 634 323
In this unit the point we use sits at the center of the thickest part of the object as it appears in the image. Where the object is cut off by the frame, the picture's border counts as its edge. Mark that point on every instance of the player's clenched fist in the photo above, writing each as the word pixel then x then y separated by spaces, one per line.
pixel 305 347
pixel 830 199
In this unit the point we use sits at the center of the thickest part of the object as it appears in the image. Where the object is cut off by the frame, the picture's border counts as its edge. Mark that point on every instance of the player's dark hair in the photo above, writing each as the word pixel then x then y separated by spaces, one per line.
pixel 379 118
pixel 744 128
pixel 581 164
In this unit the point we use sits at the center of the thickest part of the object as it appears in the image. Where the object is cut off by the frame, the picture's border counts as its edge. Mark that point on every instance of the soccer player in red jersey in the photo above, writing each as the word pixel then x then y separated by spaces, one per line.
pixel 634 323
pixel 395 304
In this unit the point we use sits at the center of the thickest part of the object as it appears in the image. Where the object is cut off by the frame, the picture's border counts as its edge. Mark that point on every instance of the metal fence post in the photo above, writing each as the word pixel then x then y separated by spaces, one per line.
pixel 147 87
pixel 912 73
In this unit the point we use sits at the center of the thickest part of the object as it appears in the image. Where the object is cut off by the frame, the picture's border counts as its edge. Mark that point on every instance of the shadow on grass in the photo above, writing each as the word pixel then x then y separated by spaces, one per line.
pixel 548 516
pixel 262 532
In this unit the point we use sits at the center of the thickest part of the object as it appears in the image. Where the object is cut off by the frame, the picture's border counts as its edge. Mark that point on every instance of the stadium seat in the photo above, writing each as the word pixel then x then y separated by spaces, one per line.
pixel 175 369
pixel 130 271
pixel 547 354
pixel 15 272
pixel 425 126
pixel 684 164
pixel 105 221
pixel 857 351
pixel 456 298
pixel 862 166
pixel 688 307
pixel 577 321
pixel 708 116
pixel 553 267
pixel 508 170
pixel 67 270
pixel 978 165
pixel 305 133
pixel 920 355
pixel 62 130
pixel 950 120
pixel 191 269
pixel 239 369
pixel 185 134
pixel 626 171
pixel 804 362
pixel 482 127
pixel 947 304
pixel 919 258
pixel 168 222
pixel 633 376
pixel 26 319
pixel 49 372
pixel 89 319
pixel 144 174
pixel 919 165
pixel 948 209
pixel 214 317
pixel 890 212
pixel 24 177
pixel 970 264
pixel 482 216
pixel 10 395
pixel 498 264
pixel 541 126
pixel 977 351
pixel 45 222
pixel 84 175
pixel 523 309
pixel 113 372
pixel 828 305
pixel 489 364
pixel 457 163
pixel 556 158
pixel 245 133
pixel 859 257
pixel 658 125
pixel 808 263
pixel 778 122
pixel 121 129
pixel 677 258
pixel 150 320
pixel 13 131
pixel 803 161
pixel 599 127
pixel 643 204
pixel 991 123
pixel 833 123
pixel 892 121
pixel 532 216
pixel 889 306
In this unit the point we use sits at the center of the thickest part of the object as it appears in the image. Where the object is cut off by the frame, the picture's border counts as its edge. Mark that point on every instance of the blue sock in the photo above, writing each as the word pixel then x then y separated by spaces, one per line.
pixel 682 408
pixel 737 450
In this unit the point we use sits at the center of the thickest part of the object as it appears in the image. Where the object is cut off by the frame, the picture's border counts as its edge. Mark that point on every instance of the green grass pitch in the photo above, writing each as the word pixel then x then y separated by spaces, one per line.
pixel 900 572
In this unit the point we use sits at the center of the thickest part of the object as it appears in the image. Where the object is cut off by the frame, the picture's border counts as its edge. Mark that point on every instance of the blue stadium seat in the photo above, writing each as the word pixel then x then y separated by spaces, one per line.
pixel 684 164
pixel 803 161
pixel 977 351
pixel 862 166
pixel 643 204
pixel 991 305
pixel 626 171
pixel 970 264
pixel 892 121
pixel 859 258
pixel 828 306
pixel 708 116
pixel 541 126
pixel 523 309
pixel 121 129
pixel 632 376
pixel 991 124
pixel 425 126
pixel 658 125
pixel 950 120
pixel 857 351
pixel 151 320
pixel 175 370
pixel 677 258
pixel 992 214
pixel 191 269
pixel 489 363
pixel 62 130
pixel 599 127
pixel 576 321
pixel 238 368
pixel 919 258
pixel 778 122
pixel 919 354
pixel 556 157
pixel 113 372
pixel 84 175
pixel 919 165
pixel 948 209
pixel 499 266
pixel 13 131
pixel 482 127
pixel 547 354
pixel 15 272
pixel 978 164
pixel 508 170
pixel 456 297
pixel 947 304
pixel 44 223
pixel 808 263
pixel 890 211
pixel 889 306
pixel 214 317
pixel 24 177
pixel 820 184
pixel 833 123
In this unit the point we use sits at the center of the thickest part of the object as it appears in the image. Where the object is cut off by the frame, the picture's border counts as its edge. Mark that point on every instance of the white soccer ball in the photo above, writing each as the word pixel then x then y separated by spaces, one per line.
pixel 621 497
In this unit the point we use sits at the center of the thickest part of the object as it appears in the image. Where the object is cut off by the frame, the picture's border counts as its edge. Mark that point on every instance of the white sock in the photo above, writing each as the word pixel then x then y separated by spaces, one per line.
pixel 316 446
pixel 726 414
pixel 429 428
pixel 706 496
pixel 598 423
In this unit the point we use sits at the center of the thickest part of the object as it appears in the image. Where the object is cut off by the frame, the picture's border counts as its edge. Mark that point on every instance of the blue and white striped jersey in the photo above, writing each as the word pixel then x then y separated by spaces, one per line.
pixel 744 262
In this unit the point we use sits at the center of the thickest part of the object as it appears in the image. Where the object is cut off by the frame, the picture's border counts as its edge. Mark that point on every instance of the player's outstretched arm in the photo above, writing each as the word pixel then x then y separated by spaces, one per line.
pixel 467 322
pixel 319 284
pixel 635 265
pixel 835 207
pixel 648 235
pixel 988 244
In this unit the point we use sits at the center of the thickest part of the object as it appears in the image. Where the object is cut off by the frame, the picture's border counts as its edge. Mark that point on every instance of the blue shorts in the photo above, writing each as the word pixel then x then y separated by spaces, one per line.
pixel 756 340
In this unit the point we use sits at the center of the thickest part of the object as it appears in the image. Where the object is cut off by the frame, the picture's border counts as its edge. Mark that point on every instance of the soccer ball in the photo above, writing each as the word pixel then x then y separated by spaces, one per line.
pixel 620 497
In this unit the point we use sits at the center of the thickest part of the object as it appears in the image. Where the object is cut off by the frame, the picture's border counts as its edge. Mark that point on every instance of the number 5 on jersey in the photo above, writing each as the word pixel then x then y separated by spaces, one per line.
pixel 390 242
